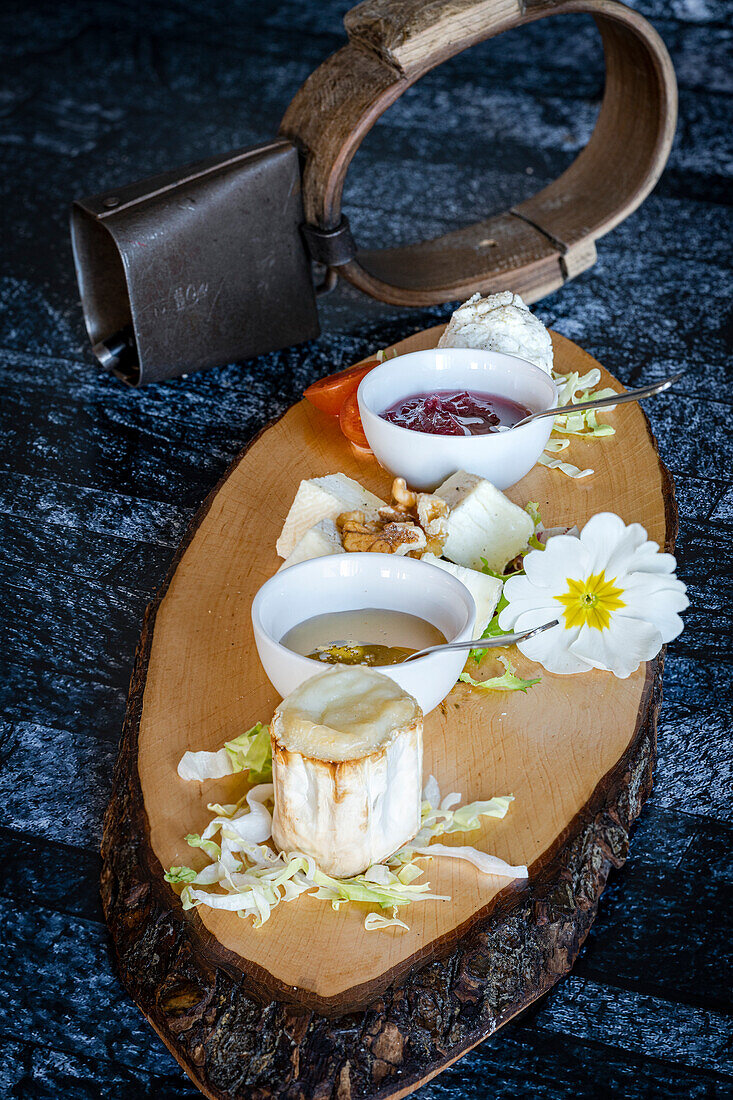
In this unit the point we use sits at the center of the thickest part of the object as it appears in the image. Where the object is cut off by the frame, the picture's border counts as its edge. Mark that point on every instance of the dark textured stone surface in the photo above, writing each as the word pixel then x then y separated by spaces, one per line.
pixel 98 484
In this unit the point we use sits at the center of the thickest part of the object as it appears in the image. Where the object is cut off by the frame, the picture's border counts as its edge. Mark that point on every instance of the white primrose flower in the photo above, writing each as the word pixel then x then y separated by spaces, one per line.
pixel 615 596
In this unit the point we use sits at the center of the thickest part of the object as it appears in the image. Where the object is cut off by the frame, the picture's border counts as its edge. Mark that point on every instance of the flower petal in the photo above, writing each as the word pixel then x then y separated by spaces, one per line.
pixel 620 648
pixel 521 587
pixel 578 576
pixel 537 603
pixel 563 557
pixel 551 647
pixel 647 559
pixel 609 543
pixel 619 558
pixel 658 599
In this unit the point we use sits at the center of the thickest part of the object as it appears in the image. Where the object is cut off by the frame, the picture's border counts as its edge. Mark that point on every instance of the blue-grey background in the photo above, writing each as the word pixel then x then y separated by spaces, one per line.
pixel 98 483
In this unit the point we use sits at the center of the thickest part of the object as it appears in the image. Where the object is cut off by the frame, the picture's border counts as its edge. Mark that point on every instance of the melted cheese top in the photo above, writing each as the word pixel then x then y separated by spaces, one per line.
pixel 344 714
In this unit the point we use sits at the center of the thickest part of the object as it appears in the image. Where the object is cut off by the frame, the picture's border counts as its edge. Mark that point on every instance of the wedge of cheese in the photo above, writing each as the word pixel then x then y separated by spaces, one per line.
pixel 320 539
pixel 482 523
pixel 323 498
pixel 347 769
pixel 485 590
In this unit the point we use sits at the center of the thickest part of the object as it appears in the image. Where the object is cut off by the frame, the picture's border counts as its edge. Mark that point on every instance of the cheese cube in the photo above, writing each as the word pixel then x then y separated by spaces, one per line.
pixel 321 539
pixel 323 498
pixel 484 589
pixel 482 523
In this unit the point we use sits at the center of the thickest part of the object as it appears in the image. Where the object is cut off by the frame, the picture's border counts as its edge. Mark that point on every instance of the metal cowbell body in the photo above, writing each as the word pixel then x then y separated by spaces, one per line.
pixel 197 267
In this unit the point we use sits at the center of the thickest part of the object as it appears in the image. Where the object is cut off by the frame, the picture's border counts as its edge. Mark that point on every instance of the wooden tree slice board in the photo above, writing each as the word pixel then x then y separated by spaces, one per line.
pixel 311 1005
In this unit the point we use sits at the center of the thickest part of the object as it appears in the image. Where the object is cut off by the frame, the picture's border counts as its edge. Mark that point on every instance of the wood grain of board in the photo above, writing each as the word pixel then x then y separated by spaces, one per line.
pixel 569 750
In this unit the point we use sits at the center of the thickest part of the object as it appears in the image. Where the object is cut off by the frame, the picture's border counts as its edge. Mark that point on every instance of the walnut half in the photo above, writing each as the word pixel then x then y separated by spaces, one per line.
pixel 426 510
pixel 380 536
pixel 432 515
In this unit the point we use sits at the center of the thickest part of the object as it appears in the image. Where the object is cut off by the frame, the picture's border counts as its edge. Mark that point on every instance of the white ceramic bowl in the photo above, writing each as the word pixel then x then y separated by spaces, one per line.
pixel 347 582
pixel 427 460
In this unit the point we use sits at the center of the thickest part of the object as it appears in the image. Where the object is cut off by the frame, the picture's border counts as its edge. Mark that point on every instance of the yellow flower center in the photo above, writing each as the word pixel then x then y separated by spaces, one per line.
pixel 590 602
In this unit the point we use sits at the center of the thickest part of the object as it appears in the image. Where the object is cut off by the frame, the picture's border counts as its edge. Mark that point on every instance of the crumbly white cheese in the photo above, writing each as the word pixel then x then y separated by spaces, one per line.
pixel 320 539
pixel 500 322
pixel 482 523
pixel 347 769
pixel 484 589
pixel 323 498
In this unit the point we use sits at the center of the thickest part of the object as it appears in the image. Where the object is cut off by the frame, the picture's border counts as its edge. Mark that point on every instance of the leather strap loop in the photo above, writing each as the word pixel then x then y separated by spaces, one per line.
pixel 332 247
pixel 538 244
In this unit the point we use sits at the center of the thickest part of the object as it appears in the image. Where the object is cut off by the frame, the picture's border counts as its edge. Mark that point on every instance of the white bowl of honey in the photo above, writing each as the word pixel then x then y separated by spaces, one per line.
pixel 372 609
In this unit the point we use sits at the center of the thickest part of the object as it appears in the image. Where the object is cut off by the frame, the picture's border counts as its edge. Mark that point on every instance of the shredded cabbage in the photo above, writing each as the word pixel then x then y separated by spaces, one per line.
pixel 508 682
pixel 250 752
pixel 574 389
pixel 247 877
pixel 489 865
pixel 584 423
pixel 374 921
pixel 180 874
pixel 438 818
pixel 564 467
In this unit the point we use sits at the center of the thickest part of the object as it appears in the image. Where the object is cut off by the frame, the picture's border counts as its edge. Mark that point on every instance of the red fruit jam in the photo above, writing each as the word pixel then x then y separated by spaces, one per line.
pixel 446 412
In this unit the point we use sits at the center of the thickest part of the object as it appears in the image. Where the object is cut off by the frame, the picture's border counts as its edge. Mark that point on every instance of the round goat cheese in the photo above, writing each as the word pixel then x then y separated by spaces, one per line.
pixel 347 769
pixel 500 322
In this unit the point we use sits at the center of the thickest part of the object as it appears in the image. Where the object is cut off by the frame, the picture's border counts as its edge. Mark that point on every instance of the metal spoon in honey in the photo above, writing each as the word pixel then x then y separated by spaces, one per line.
pixel 483 643
pixel 378 654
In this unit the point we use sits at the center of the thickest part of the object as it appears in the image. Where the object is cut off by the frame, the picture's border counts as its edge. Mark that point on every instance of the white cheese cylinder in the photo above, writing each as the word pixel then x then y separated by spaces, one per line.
pixel 347 769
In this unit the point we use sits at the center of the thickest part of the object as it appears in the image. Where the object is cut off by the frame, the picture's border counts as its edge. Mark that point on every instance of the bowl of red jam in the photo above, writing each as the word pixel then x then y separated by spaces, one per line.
pixel 430 413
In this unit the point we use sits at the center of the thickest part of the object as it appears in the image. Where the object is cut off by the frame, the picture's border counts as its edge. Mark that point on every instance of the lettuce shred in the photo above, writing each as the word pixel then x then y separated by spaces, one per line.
pixel 252 752
pixel 375 921
pixel 246 876
pixel 567 468
pixel 573 389
pixel 249 752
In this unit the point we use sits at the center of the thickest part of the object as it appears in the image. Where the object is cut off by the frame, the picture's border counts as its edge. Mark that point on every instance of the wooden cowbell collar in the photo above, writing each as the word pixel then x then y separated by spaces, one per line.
pixel 534 246
pixel 211 263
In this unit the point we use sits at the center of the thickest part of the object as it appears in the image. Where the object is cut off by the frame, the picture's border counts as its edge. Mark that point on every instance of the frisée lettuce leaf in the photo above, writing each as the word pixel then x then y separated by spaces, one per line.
pixel 508 682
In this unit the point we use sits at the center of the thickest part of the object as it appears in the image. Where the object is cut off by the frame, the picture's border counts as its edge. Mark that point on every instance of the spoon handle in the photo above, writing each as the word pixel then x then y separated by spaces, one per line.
pixel 483 643
pixel 617 399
